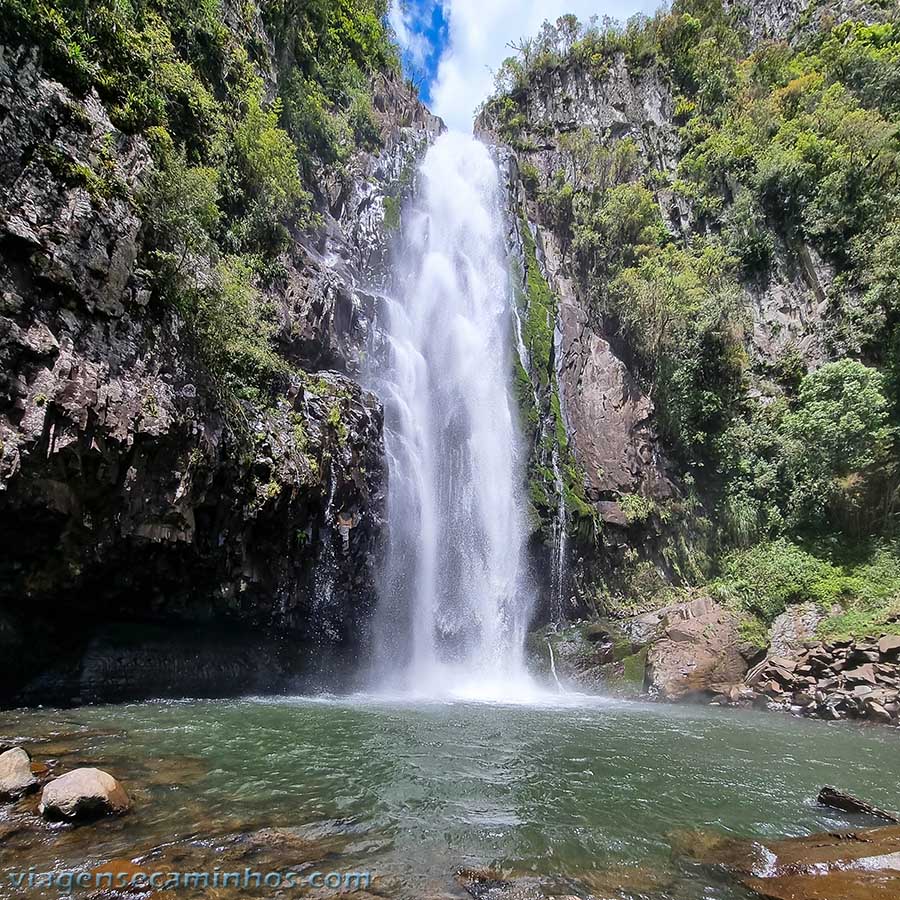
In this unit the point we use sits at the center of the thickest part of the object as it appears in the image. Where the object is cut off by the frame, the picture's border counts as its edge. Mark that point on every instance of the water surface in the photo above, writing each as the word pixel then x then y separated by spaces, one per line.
pixel 563 791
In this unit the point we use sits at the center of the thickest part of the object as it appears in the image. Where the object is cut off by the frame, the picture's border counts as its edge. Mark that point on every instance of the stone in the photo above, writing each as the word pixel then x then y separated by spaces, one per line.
pixel 864 673
pixel 889 645
pixel 835 799
pixel 698 650
pixel 833 885
pixel 794 627
pixel 83 794
pixel 492 884
pixel 877 711
pixel 860 865
pixel 780 662
pixel 16 777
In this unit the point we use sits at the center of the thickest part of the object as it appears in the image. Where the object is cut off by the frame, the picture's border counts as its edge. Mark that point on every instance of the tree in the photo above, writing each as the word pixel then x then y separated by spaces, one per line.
pixel 841 420
pixel 839 430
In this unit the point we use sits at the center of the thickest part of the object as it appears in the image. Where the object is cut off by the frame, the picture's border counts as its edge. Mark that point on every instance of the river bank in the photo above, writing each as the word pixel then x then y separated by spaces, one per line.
pixel 698 651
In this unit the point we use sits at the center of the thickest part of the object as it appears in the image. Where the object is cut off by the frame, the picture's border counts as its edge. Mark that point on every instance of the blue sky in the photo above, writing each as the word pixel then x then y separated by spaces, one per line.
pixel 425 37
pixel 452 47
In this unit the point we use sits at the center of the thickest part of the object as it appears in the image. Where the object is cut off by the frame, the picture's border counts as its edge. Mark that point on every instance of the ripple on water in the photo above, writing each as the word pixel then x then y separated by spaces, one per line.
pixel 568 789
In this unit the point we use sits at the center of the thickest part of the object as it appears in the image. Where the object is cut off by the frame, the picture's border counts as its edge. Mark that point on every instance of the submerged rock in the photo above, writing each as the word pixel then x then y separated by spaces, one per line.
pixel 860 865
pixel 494 884
pixel 16 777
pixel 83 794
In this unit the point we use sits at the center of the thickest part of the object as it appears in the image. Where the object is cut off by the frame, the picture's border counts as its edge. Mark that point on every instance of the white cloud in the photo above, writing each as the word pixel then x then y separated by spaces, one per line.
pixel 404 23
pixel 479 34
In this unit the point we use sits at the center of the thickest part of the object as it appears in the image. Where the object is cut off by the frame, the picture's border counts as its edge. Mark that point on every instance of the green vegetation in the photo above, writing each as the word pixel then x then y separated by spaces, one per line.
pixel 783 149
pixel 861 590
pixel 637 509
pixel 545 426
pixel 238 158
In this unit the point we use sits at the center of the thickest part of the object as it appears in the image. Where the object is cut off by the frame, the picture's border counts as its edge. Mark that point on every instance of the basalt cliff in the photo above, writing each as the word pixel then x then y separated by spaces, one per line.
pixel 705 300
pixel 191 476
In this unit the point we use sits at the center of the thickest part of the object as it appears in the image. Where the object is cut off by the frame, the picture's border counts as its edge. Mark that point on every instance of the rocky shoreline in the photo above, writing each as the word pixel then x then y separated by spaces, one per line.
pixel 696 652
pixel 52 803
pixel 835 680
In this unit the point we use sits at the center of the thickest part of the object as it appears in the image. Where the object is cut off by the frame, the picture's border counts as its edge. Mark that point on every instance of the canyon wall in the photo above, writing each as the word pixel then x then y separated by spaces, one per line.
pixel 164 528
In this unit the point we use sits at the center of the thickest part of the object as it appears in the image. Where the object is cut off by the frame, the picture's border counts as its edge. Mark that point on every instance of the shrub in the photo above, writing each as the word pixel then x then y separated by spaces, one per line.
pixel 768 577
pixel 233 323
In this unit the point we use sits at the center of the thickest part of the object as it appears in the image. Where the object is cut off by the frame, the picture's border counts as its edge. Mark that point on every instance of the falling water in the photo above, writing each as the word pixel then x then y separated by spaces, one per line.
pixel 559 532
pixel 456 599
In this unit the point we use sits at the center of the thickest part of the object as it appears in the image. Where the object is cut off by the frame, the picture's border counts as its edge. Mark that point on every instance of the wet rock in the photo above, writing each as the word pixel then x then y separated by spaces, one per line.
pixel 828 796
pixel 300 843
pixel 83 794
pixel 699 649
pixel 852 885
pixel 123 873
pixel 729 694
pixel 861 865
pixel 619 881
pixel 16 776
pixel 11 829
pixel 494 884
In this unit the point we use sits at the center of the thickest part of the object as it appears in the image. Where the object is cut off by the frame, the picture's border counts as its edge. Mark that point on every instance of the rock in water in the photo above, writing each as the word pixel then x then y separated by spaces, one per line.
pixel 16 777
pixel 828 796
pixel 83 794
pixel 859 865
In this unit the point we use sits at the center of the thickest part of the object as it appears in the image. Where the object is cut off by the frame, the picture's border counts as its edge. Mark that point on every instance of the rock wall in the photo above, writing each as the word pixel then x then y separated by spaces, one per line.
pixel 650 529
pixel 137 493
pixel 792 20
pixel 608 418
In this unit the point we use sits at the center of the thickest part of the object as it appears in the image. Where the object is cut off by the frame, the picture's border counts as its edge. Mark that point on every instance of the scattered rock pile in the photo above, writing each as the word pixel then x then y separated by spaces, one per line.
pixel 836 680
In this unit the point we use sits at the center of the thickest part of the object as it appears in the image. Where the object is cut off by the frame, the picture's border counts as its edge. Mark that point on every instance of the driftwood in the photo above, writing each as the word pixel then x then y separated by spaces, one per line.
pixel 828 796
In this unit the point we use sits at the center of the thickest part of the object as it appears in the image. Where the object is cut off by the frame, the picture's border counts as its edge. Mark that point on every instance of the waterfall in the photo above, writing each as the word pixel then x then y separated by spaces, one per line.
pixel 455 596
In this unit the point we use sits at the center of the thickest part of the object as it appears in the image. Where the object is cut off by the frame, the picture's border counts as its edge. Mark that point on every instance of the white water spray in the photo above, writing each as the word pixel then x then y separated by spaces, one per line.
pixel 456 600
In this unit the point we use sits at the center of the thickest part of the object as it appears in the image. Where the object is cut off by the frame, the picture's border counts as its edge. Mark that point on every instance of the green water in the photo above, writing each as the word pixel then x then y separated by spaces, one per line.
pixel 422 789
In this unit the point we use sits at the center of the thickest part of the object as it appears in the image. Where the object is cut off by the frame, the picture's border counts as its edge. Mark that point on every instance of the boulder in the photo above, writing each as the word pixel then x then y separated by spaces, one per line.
pixel 699 649
pixel 83 794
pixel 16 777
pixel 889 645
pixel 828 796
pixel 795 626
pixel 865 673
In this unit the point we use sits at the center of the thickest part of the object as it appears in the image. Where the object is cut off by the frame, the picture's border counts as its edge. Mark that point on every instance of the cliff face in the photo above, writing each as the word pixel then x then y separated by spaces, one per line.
pixel 794 20
pixel 586 128
pixel 594 412
pixel 150 509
